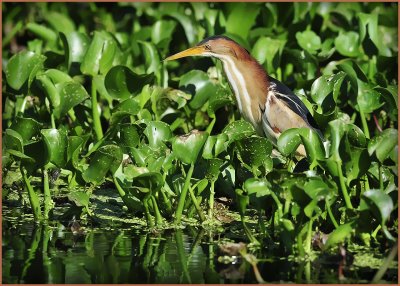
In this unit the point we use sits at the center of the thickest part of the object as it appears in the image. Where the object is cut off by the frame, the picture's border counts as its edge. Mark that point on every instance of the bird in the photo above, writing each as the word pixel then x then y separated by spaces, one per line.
pixel 269 105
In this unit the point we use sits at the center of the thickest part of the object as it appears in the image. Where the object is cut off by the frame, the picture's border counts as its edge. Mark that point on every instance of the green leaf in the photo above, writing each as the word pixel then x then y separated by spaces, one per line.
pixel 187 147
pixel 199 85
pixel 22 68
pixel 122 83
pixel 268 50
pixel 309 41
pixel 57 146
pixel 347 44
pixel 126 108
pixel 381 201
pixel 60 22
pixel 26 127
pixel 237 130
pixel 12 140
pixel 75 47
pixel 81 199
pixel 289 141
pixel 148 182
pixel 383 144
pixel 105 159
pixel 222 98
pixel 254 151
pixel 100 54
pixel 213 169
pixel 43 32
pixel 239 25
pixel 368 99
pixel 129 136
pixel 157 132
pixel 71 94
pixel 162 30
pixel 339 235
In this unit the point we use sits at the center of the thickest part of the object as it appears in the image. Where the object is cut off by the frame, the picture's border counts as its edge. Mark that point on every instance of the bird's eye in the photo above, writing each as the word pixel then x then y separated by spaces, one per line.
pixel 208 47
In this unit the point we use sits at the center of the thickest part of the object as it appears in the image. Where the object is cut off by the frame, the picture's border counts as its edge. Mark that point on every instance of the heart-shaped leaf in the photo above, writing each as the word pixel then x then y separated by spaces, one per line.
pixel 187 147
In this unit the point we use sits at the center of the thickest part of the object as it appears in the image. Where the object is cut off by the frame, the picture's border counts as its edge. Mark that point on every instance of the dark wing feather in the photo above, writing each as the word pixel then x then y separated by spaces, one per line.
pixel 294 102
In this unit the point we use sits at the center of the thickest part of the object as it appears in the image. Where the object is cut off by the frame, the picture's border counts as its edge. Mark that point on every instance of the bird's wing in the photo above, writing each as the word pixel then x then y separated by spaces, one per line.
pixel 293 101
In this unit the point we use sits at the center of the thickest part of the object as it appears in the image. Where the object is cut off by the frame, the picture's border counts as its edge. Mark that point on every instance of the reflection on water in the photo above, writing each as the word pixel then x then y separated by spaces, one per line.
pixel 43 254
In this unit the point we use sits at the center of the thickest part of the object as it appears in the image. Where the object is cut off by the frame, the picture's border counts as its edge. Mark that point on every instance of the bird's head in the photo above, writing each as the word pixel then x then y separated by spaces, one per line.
pixel 215 46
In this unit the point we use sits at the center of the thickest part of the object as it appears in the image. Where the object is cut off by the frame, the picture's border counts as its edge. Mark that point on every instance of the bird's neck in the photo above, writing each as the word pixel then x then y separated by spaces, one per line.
pixel 249 83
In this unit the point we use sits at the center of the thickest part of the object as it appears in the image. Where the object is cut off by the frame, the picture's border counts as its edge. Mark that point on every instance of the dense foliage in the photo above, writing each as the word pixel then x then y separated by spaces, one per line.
pixel 86 96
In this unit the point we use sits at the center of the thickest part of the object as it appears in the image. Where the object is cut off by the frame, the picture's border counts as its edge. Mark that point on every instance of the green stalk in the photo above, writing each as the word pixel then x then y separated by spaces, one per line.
pixel 33 197
pixel 278 204
pixel 380 177
pixel 181 203
pixel 364 123
pixel 167 202
pixel 211 200
pixel 211 125
pixel 385 265
pixel 95 114
pixel 328 207
pixel 156 211
pixel 248 232
pixel 343 187
pixel 196 205
pixel 308 237
pixel 48 202
pixel 150 222
pixel 53 121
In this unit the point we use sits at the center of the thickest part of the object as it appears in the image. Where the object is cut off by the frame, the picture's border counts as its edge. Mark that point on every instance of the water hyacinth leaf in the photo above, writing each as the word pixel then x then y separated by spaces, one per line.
pixel 389 95
pixel 382 202
pixel 12 140
pixel 189 26
pixel 187 147
pixel 162 30
pixel 254 151
pixel 289 141
pixel 71 94
pixel 221 99
pixel 60 22
pixel 239 25
pixel 81 199
pixel 129 136
pixel 214 146
pixel 313 145
pixel 151 58
pixel 39 152
pixel 339 235
pixel 56 142
pixel 259 187
pixel 268 51
pixel 22 68
pixel 213 169
pixel 383 144
pixel 126 108
pixel 237 130
pixel 26 127
pixel 356 136
pixel 157 132
pixel 309 41
pixel 337 130
pixel 148 182
pixel 347 44
pixel 324 85
pixel 198 84
pixel 42 32
pixel 74 144
pixel 368 99
pixel 75 47
pixel 100 54
pixel 106 158
pixel 122 83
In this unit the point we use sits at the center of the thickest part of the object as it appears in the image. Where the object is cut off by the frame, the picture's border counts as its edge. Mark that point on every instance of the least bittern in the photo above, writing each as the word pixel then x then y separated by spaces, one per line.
pixel 269 105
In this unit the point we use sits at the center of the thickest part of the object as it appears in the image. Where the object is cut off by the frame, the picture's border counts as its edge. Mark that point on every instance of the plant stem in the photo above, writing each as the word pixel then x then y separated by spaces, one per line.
pixel 385 265
pixel 196 205
pixel 53 121
pixel 328 207
pixel 380 177
pixel 248 232
pixel 211 125
pixel 150 222
pixel 308 237
pixel 48 202
pixel 182 197
pixel 278 204
pixel 33 197
pixel 343 187
pixel 211 200
pixel 364 124
pixel 95 114
pixel 156 211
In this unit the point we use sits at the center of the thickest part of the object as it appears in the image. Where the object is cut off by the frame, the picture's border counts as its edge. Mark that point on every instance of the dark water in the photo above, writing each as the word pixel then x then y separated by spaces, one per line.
pixel 44 254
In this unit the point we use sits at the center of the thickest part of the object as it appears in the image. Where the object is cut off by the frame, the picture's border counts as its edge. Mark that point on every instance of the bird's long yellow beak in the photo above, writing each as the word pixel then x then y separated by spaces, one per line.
pixel 195 51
